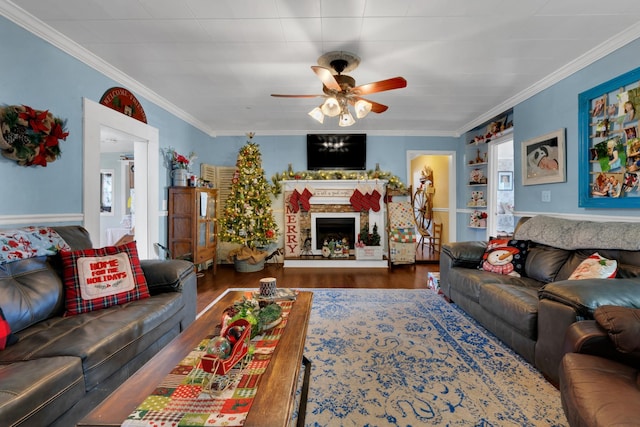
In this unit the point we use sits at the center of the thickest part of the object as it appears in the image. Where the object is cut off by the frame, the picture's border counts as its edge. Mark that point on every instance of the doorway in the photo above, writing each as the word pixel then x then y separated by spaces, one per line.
pixel 501 188
pixel 444 182
pixel 145 139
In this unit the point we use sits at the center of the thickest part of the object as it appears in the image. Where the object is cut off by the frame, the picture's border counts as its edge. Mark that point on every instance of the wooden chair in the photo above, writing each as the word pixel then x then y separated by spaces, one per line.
pixel 435 239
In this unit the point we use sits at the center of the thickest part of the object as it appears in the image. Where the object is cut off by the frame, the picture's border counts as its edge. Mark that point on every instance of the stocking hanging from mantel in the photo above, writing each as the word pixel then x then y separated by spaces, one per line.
pixel 304 199
pixel 294 201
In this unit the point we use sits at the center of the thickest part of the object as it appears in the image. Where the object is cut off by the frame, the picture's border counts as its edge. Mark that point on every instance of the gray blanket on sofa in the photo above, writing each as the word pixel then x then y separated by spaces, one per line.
pixel 575 234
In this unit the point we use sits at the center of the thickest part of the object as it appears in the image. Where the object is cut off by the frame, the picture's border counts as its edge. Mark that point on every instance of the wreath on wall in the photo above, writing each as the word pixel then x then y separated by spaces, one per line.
pixel 30 137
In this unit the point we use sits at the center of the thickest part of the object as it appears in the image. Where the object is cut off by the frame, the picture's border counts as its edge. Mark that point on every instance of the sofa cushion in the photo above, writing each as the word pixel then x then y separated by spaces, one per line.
pixel 595 267
pixel 36 392
pixel 504 256
pixel 622 325
pixel 104 340
pixel 544 262
pixel 6 336
pixel 99 278
pixel 469 281
pixel 30 291
pixel 516 305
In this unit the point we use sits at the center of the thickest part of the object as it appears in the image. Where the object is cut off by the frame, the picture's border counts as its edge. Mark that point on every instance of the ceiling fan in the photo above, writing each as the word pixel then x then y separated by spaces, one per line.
pixel 340 90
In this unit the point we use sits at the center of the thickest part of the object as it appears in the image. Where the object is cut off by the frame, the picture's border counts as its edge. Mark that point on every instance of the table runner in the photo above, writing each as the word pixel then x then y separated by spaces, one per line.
pixel 179 400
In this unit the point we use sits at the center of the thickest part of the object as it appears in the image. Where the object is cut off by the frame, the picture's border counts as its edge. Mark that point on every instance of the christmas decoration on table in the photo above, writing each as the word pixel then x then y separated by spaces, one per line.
pixel 248 216
pixel 30 137
pixel 393 182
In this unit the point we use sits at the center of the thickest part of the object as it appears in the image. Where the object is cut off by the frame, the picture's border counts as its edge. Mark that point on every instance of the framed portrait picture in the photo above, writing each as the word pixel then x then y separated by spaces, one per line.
pixel 505 181
pixel 543 159
pixel 609 144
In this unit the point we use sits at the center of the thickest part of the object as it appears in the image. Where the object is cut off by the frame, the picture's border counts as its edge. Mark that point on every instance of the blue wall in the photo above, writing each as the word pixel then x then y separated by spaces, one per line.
pixel 556 108
pixel 41 76
pixel 278 151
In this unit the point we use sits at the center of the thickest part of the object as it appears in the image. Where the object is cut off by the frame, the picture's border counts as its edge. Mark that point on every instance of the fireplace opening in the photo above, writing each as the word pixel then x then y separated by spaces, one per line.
pixel 335 228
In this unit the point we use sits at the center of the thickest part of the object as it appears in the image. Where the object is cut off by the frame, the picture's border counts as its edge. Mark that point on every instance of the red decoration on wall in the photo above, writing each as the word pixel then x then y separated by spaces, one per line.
pixel 123 101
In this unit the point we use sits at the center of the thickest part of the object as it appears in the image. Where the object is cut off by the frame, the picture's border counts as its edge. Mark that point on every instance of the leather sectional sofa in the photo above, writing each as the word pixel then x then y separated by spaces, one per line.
pixel 62 367
pixel 532 313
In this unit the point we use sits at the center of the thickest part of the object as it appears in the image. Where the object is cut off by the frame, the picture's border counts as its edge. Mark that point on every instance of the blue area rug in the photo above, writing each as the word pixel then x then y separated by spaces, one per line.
pixel 408 358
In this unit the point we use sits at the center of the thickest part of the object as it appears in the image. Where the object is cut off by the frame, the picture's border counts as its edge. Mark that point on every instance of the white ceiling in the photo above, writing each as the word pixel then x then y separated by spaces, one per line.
pixel 216 62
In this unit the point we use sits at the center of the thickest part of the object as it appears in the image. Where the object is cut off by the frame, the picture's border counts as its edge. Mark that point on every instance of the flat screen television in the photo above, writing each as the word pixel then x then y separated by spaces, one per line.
pixel 337 151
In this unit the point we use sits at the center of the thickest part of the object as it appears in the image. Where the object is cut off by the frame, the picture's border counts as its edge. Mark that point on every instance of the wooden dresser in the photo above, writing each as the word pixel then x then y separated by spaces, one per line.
pixel 193 225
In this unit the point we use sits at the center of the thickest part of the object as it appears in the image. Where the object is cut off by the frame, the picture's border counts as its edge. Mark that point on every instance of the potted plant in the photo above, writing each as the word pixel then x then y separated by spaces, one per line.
pixel 248 218
pixel 368 245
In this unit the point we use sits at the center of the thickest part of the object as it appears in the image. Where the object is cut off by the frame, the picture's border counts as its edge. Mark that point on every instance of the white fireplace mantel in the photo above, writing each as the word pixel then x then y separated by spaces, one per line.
pixel 334 191
pixel 339 192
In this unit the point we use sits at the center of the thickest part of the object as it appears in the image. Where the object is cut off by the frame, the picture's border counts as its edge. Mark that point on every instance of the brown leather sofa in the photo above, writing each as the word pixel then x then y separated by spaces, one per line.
pixel 532 313
pixel 600 374
pixel 62 367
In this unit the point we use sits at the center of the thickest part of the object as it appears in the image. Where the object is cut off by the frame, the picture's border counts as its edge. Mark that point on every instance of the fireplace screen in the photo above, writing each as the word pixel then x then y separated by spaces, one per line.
pixel 335 228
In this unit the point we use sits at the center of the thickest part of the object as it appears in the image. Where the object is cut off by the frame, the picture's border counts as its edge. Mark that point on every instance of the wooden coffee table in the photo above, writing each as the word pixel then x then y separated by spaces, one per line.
pixel 274 402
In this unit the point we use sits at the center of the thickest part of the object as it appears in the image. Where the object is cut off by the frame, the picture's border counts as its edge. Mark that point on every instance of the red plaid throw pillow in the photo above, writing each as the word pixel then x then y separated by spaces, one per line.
pixel 100 278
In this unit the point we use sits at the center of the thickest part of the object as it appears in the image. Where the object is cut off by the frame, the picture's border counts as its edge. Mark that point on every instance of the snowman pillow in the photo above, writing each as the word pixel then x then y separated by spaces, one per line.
pixel 504 256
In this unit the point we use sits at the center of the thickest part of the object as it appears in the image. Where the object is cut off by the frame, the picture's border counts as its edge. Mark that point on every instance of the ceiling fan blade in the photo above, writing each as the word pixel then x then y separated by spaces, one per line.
pixel 375 106
pixel 295 96
pixel 381 86
pixel 327 78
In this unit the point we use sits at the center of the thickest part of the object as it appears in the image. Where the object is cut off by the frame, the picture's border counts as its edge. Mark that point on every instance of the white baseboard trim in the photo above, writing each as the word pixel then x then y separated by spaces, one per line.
pixel 41 219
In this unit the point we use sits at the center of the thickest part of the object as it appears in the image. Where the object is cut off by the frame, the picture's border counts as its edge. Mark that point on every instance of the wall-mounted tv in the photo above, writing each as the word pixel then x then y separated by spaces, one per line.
pixel 337 151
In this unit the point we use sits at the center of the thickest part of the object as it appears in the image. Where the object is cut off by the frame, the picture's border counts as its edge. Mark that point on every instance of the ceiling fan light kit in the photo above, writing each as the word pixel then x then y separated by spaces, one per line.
pixel 362 108
pixel 317 114
pixel 331 107
pixel 340 90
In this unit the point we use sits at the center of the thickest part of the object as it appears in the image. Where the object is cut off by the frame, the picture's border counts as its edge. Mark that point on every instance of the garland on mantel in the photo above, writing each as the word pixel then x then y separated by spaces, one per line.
pixel 394 183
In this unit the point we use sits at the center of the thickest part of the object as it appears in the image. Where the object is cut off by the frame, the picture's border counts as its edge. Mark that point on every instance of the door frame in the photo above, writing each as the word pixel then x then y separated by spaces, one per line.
pixel 146 154
pixel 492 187
pixel 452 217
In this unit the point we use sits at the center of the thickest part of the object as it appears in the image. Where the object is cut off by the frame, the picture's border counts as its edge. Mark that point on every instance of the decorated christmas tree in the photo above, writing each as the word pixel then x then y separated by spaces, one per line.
pixel 248 217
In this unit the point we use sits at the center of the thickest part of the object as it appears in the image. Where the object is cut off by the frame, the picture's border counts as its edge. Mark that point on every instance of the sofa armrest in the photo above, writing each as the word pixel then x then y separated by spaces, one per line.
pixel 584 296
pixel 464 254
pixel 587 337
pixel 166 275
pixel 458 254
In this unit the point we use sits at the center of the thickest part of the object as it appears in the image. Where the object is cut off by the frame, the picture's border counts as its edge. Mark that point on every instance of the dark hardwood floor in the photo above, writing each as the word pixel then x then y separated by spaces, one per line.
pixel 211 286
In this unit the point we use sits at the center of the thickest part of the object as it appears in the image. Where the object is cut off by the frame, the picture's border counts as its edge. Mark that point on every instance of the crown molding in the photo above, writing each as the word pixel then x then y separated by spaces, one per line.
pixel 40 29
pixel 603 49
